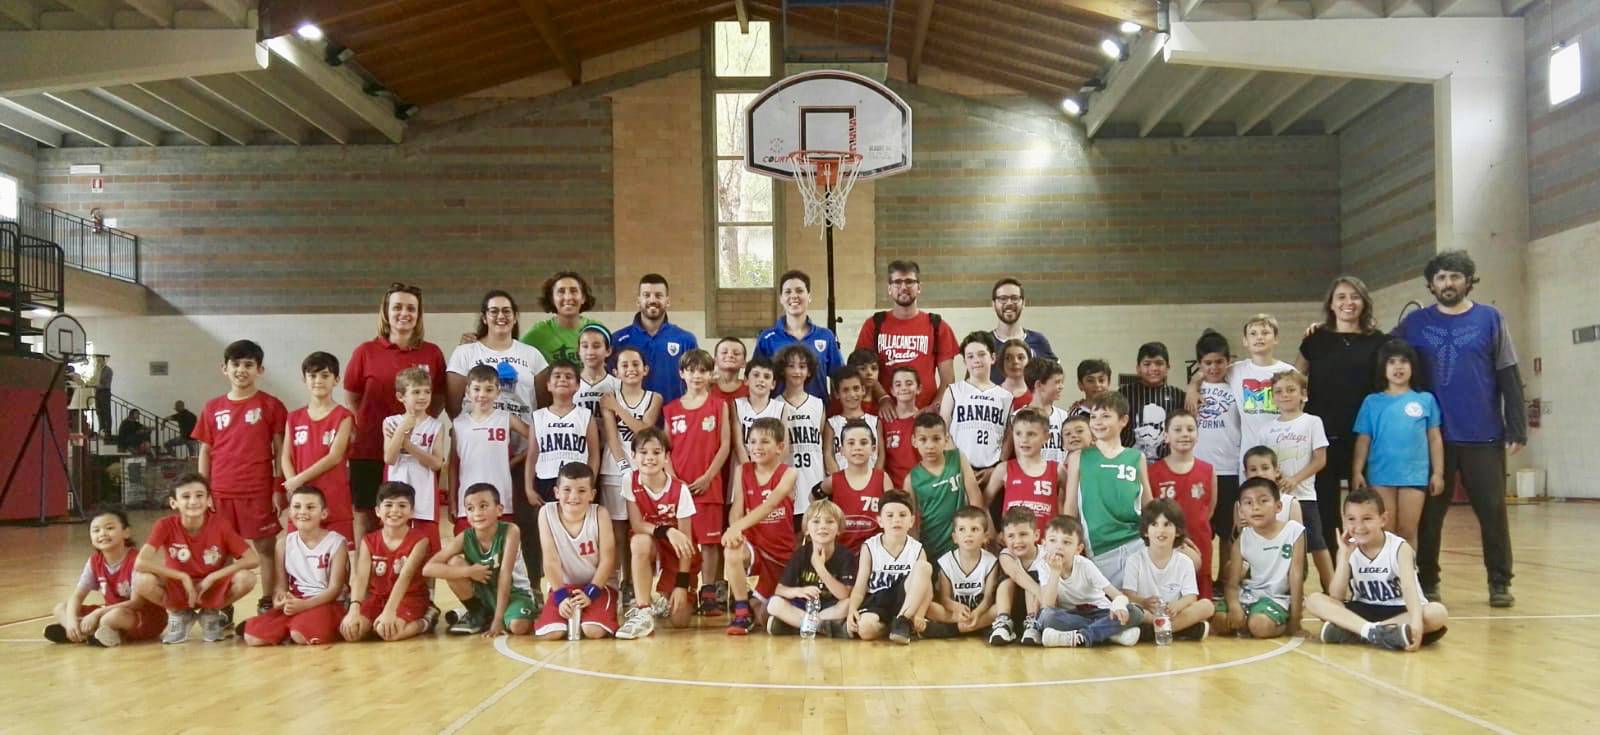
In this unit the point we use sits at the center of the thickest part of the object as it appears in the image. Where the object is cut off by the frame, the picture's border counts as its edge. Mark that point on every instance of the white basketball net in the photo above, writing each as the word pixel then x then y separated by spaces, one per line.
pixel 825 179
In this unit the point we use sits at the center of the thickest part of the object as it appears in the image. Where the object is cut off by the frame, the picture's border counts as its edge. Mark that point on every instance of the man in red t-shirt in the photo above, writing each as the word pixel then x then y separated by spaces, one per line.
pixel 906 335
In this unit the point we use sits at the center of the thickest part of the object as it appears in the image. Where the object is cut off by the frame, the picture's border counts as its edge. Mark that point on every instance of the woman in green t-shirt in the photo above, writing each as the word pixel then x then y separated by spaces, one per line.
pixel 566 295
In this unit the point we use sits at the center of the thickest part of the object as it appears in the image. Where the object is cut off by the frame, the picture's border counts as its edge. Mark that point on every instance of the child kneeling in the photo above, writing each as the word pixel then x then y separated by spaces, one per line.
pixel 580 555
pixel 306 601
pixel 483 567
pixel 1379 598
pixel 194 560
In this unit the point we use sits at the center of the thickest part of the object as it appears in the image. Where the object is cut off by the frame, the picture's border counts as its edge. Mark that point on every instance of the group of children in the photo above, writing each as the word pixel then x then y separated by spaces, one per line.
pixel 995 513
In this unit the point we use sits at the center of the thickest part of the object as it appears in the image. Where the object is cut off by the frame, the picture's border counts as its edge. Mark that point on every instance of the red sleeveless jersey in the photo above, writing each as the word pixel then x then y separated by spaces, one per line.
pixel 696 438
pixel 1192 491
pixel 662 511
pixel 387 564
pixel 116 586
pixel 860 508
pixel 899 455
pixel 309 441
pixel 1038 493
pixel 772 536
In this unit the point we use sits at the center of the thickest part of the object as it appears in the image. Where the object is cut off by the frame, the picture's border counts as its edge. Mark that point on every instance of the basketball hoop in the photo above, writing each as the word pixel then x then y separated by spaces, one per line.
pixel 825 179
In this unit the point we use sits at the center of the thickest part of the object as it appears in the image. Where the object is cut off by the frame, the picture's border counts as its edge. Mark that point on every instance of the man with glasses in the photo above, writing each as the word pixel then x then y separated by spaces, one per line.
pixel 1006 296
pixel 906 335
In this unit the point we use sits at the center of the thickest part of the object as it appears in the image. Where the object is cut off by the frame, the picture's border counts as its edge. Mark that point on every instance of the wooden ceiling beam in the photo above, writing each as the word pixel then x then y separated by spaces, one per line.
pixel 159 11
pixel 919 40
pixel 538 13
pixel 1316 94
pixel 256 105
pixel 157 108
pixel 283 16
pixel 340 83
pixel 1142 12
pixel 982 21
pixel 211 114
pixel 275 82
pixel 61 116
pixel 128 123
pixel 1219 97
pixel 982 67
pixel 1194 76
pixel 373 34
pixel 743 14
pixel 1013 15
pixel 529 53
pixel 29 126
pixel 958 39
pixel 419 45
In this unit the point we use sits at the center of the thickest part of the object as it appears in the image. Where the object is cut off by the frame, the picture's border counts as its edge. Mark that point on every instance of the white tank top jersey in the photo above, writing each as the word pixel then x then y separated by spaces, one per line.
pixel 836 423
pixel 562 439
pixel 748 414
pixel 1289 502
pixel 309 567
pixel 1267 563
pixel 610 467
pixel 805 447
pixel 1054 449
pixel 889 569
pixel 978 422
pixel 408 470
pixel 483 453
pixel 516 397
pixel 589 394
pixel 967 586
pixel 580 554
pixel 1376 581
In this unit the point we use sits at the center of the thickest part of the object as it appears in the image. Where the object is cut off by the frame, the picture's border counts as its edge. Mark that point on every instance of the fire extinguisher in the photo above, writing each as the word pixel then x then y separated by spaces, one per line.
pixel 99 219
pixel 1534 405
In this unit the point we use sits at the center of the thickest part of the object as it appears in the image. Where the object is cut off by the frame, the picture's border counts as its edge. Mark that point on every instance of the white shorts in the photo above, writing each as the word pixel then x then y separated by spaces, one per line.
pixel 1114 563
pixel 613 497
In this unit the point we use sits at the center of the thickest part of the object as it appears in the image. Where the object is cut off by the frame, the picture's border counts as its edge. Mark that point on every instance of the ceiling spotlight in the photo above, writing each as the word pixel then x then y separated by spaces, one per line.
pixel 336 55
pixel 309 32
pixel 378 90
pixel 1072 106
pixel 1129 26
pixel 1111 49
pixel 406 111
pixel 1094 84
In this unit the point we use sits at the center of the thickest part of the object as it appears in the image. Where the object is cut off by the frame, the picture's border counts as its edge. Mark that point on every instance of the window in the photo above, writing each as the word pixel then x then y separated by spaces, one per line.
pixel 1566 73
pixel 743 202
pixel 8 197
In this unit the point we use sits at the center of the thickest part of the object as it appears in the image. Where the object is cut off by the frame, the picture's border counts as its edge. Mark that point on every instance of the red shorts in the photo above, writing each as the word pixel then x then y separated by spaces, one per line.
pixel 709 522
pixel 252 517
pixel 667 566
pixel 765 567
pixel 463 525
pixel 345 528
pixel 601 611
pixel 412 607
pixel 431 528
pixel 212 599
pixel 149 621
pixel 317 626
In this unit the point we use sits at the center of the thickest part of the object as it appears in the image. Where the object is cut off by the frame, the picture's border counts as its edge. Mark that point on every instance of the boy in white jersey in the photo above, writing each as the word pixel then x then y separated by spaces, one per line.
pixel 1017 594
pixel 1046 378
pixel 758 404
pixel 1377 597
pixel 849 389
pixel 1079 606
pixel 623 414
pixel 483 441
pixel 977 410
pixel 579 558
pixel 307 602
pixel 560 433
pixel 1164 574
pixel 594 349
pixel 893 579
pixel 804 417
pixel 660 512
pixel 415 447
pixel 963 598
pixel 1267 569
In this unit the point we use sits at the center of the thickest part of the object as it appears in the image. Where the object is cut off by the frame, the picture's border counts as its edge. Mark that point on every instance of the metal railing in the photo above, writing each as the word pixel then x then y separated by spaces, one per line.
pixel 163 438
pixel 86 244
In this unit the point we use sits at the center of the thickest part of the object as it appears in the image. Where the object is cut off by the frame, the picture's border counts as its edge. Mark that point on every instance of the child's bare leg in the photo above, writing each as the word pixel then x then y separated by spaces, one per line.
pixel 624 554
pixel 150 588
pixel 243 582
pixel 409 630
pixel 266 549
pixel 1193 614
pixel 1262 626
pixel 837 611
pixel 358 628
pixel 118 618
pixel 733 563
pixel 869 627
pixel 1407 513
pixel 1389 501
pixel 64 618
pixel 1324 562
pixel 1030 602
pixel 712 565
pixel 1002 596
pixel 919 592
pixel 938 614
pixel 522 626
pixel 358 525
pixel 642 565
pixel 460 587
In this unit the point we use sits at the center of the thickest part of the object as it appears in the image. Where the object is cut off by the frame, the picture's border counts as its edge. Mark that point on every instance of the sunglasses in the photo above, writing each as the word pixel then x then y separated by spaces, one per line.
pixel 398 287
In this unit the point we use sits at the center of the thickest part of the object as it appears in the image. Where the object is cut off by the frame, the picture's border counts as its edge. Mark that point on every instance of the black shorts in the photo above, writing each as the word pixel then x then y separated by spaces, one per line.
pixel 886 604
pixel 365 477
pixel 1374 613
pixel 1222 517
pixel 545 488
pixel 1019 598
pixel 1309 511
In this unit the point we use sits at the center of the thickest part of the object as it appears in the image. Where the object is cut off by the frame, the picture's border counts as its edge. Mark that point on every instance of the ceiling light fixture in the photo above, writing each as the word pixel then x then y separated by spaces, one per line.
pixel 1111 49
pixel 309 32
pixel 1129 26
pixel 1072 106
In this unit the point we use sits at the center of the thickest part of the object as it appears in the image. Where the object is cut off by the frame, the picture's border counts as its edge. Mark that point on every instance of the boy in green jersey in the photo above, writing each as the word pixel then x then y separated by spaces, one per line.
pixel 1107 488
pixel 472 563
pixel 940 484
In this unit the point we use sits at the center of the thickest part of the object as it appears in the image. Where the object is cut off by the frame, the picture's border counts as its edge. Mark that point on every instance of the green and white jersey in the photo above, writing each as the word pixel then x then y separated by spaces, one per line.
pixel 1267 563
pixel 1108 498
pixel 938 499
pixel 494 556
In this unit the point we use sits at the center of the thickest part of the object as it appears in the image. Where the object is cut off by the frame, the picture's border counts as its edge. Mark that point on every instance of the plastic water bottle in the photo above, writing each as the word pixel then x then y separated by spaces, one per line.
pixel 1162 624
pixel 812 620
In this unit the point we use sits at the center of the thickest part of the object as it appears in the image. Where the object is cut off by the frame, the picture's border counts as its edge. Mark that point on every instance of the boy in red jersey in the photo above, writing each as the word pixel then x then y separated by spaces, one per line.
pixel 318 438
pixel 661 513
pixel 1192 484
pixel 858 487
pixel 1029 479
pixel 194 560
pixel 697 425
pixel 313 563
pixel 760 537
pixel 899 453
pixel 110 571
pixel 241 433
pixel 388 594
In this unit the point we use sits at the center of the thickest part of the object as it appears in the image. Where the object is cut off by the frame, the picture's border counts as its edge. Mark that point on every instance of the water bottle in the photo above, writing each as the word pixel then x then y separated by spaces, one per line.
pixel 1162 624
pixel 812 619
pixel 575 629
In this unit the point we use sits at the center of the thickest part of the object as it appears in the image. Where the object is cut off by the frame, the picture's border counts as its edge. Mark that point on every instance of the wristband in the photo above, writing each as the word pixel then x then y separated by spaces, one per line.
pixel 561 594
pixel 591 591
pixel 1120 604
pixel 661 532
pixel 683 581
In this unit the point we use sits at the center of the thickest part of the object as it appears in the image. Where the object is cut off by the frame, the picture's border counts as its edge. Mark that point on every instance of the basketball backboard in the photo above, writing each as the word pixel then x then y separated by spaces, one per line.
pixel 64 338
pixel 829 110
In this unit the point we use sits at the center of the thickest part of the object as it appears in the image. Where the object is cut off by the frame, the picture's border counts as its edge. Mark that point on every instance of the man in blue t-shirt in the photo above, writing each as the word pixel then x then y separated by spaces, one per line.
pixel 795 326
pixel 661 341
pixel 1471 367
pixel 1006 296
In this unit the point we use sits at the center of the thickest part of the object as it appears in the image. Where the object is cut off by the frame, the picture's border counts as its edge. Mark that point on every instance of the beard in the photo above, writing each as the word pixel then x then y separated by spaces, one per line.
pixel 653 311
pixel 1009 315
pixel 1450 296
pixel 905 299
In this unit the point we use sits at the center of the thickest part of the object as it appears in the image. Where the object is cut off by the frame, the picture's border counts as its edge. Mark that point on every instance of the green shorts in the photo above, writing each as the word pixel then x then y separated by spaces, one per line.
pixel 1264 606
pixel 519 605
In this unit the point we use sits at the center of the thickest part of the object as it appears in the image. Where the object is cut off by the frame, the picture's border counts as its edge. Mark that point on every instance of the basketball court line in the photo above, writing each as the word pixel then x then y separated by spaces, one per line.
pixel 503 646
pixel 493 699
pixel 24 640
pixel 1407 693
pixel 25 621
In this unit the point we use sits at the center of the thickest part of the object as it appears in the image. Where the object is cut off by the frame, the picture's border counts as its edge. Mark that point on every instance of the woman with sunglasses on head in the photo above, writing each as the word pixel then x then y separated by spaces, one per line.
pixel 369 381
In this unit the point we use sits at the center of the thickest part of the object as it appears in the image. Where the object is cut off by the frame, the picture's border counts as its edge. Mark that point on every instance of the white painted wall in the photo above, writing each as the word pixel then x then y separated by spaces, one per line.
pixel 1561 271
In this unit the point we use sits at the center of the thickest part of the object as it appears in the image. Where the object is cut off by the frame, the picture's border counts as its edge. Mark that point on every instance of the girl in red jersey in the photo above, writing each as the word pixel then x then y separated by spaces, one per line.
pixel 760 537
pixel 899 454
pixel 857 488
pixel 109 571
pixel 388 594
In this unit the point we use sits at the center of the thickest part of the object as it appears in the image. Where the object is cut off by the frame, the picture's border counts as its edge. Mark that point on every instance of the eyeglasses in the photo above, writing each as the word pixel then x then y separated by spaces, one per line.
pixel 398 287
pixel 500 310
pixel 904 282
pixel 1008 299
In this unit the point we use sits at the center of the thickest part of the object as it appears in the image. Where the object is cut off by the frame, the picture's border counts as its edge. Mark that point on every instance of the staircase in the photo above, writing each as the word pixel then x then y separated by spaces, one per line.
pixel 31 280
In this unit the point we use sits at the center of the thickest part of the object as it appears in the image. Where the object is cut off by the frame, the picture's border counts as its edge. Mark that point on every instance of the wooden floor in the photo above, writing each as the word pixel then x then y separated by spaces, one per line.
pixel 1529 669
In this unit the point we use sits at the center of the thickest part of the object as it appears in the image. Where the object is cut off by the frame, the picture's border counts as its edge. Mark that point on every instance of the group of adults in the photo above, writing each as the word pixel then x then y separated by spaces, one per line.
pixel 1469 364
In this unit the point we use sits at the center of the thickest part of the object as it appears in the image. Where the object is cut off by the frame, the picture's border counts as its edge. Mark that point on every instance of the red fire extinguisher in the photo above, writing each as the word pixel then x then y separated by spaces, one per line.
pixel 99 219
pixel 1533 412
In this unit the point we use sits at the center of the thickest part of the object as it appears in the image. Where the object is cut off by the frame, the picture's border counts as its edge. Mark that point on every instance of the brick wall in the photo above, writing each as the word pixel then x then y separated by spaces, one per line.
pixel 1118 222
pixel 659 184
pixel 1386 196
pixel 17 160
pixel 324 229
pixel 744 312
pixel 1563 143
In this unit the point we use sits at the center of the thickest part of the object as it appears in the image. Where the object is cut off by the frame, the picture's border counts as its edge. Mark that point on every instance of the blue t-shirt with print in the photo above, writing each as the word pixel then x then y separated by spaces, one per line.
pixel 1461 354
pixel 1398 427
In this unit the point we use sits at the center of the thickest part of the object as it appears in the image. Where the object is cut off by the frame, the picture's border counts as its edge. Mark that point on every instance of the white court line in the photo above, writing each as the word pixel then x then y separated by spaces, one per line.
pixel 29 620
pixel 493 699
pixel 504 647
pixel 1575 616
pixel 24 640
pixel 1407 693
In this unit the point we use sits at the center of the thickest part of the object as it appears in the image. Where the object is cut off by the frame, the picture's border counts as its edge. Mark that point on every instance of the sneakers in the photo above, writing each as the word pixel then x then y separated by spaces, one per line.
pixel 1197 632
pixel 1390 636
pixel 935 629
pixel 741 623
pixel 469 624
pixel 430 619
pixel 1065 638
pixel 263 606
pixel 178 624
pixel 450 617
pixel 56 633
pixel 1000 633
pixel 214 626
pixel 900 630
pixel 1500 595
pixel 1433 637
pixel 778 627
pixel 709 604
pixel 640 622
pixel 1334 634
pixel 1129 636
pixel 1030 631
pixel 106 636
pixel 660 606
